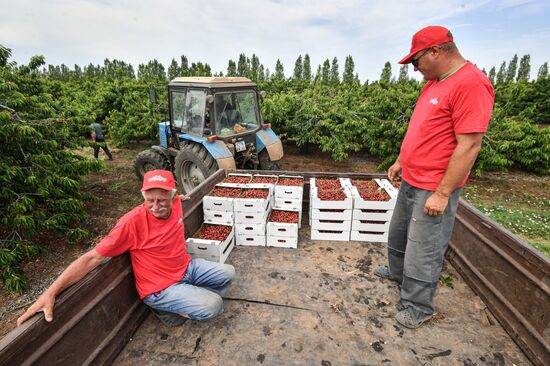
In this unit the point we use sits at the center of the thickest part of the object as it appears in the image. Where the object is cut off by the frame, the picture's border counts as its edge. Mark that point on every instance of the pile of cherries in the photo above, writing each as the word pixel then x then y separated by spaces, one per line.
pixel 254 193
pixel 283 216
pixel 214 232
pixel 225 192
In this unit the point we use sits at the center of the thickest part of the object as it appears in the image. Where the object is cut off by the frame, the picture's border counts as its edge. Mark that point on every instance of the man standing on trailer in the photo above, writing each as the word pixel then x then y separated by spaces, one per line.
pixel 439 149
pixel 172 284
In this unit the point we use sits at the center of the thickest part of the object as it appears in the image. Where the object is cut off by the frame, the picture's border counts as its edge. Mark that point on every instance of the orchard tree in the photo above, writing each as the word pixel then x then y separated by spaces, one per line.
pixel 349 66
pixel 492 74
pixel 279 71
pixel 254 67
pixel 298 69
pixel 385 76
pixel 325 72
pixel 403 74
pixel 543 72
pixel 512 70
pixel 306 72
pixel 231 68
pixel 334 73
pixel 524 68
pixel 243 66
pixel 501 74
pixel 173 69
pixel 184 66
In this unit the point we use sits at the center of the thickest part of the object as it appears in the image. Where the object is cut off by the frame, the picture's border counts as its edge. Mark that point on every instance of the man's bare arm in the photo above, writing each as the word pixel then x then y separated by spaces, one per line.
pixel 72 274
pixel 462 160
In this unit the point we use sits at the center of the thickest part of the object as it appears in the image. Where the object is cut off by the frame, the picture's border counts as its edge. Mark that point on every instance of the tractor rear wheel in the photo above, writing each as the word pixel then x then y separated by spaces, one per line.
pixel 266 163
pixel 193 165
pixel 150 159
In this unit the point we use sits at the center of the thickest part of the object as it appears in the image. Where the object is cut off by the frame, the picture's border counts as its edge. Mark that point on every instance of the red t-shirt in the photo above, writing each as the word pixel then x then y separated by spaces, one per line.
pixel 460 104
pixel 157 247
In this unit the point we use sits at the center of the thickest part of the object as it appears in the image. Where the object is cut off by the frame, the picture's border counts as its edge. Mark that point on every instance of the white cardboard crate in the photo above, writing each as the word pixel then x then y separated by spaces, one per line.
pixel 282 242
pixel 331 226
pixel 288 204
pixel 251 240
pixel 289 192
pixel 291 207
pixel 329 235
pixel 369 236
pixel 360 203
pixel 212 203
pixel 219 217
pixel 331 214
pixel 363 225
pixel 315 202
pixel 252 218
pixel 252 204
pixel 372 215
pixel 282 229
pixel 250 229
pixel 212 250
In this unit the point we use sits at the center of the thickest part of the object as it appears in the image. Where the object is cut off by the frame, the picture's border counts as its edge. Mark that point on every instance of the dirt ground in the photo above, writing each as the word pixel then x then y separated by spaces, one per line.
pixel 117 190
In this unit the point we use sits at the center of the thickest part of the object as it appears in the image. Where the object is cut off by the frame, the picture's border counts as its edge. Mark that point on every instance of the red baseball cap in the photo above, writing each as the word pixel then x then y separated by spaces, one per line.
pixel 162 179
pixel 427 37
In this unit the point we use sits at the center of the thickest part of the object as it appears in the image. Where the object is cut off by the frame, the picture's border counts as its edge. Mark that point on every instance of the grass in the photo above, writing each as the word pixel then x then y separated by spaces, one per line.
pixel 524 214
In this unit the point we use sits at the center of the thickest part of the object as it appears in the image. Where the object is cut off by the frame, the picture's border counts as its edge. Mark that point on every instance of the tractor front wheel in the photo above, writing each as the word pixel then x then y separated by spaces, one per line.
pixel 150 160
pixel 193 165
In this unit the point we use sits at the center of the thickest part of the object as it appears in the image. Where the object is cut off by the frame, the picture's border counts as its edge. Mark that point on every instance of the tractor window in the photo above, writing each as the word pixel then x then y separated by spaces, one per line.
pixel 236 112
pixel 178 104
pixel 194 112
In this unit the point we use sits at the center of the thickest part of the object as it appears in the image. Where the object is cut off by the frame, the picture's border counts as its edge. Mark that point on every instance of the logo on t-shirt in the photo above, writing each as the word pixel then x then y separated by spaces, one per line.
pixel 157 178
pixel 434 101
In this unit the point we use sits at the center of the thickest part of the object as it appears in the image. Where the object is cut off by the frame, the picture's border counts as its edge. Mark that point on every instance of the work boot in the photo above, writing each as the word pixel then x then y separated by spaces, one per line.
pixel 169 319
pixel 384 272
pixel 411 318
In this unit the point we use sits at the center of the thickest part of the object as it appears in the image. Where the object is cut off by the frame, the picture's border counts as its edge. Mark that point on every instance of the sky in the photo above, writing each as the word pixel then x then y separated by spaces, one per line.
pixel 373 32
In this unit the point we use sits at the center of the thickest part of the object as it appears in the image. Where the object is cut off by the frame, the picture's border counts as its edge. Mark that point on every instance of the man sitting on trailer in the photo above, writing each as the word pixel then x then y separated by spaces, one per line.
pixel 167 279
pixel 441 145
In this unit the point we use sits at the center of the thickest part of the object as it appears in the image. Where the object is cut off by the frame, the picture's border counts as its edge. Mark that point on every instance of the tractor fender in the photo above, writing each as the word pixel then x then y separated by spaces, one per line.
pixel 217 149
pixel 266 138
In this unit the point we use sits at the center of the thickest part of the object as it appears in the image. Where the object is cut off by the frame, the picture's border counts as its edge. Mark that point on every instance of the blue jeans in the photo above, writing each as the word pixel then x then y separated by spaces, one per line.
pixel 416 246
pixel 189 296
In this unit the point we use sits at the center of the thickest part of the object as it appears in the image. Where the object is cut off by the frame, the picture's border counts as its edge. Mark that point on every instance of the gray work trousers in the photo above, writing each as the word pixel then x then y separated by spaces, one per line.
pixel 417 244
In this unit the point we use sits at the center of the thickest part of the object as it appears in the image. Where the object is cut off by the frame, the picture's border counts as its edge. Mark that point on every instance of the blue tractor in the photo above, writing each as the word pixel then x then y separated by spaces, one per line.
pixel 215 122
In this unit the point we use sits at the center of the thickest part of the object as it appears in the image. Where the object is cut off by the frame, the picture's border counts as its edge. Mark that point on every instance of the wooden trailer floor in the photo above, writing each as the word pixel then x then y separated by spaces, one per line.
pixel 321 304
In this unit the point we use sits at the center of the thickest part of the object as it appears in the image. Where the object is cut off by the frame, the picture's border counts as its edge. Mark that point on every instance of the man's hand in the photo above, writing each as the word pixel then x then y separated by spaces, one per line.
pixel 394 170
pixel 44 303
pixel 184 197
pixel 436 204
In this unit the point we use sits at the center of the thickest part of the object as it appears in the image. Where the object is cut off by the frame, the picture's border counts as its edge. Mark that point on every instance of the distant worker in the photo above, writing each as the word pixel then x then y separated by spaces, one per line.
pixel 440 147
pixel 99 139
pixel 172 284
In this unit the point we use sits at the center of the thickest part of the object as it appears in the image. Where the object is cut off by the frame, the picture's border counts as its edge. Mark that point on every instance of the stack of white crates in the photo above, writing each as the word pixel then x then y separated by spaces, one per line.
pixel 330 219
pixel 371 219
pixel 251 216
pixel 212 250
pixel 286 198
pixel 217 211
pixel 282 234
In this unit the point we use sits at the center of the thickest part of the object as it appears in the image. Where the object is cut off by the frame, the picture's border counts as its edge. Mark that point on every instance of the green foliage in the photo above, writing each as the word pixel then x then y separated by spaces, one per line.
pixel 39 173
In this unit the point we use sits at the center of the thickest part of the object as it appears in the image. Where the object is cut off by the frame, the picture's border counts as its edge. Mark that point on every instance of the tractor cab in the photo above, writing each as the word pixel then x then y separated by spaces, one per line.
pixel 215 122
